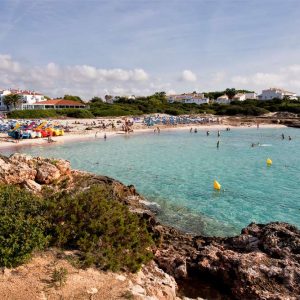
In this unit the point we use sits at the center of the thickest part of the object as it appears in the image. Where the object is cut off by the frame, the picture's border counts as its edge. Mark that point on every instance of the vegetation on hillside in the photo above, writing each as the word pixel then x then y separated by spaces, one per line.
pixel 22 227
pixel 157 103
pixel 104 231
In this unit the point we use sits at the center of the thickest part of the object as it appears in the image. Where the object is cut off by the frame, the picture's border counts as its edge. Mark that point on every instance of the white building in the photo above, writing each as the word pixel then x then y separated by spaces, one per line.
pixel 27 97
pixel 272 93
pixel 245 96
pixel 251 96
pixel 197 98
pixel 239 97
pixel 222 100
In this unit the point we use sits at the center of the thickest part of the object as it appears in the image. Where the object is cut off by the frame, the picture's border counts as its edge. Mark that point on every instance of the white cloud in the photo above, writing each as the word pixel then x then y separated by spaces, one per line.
pixel 188 75
pixel 267 79
pixel 219 77
pixel 171 92
pixel 286 78
pixel 7 64
pixel 87 81
pixel 293 68
pixel 240 80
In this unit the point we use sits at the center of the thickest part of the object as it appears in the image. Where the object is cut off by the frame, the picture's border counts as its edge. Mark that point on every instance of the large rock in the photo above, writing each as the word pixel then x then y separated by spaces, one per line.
pixel 47 173
pixel 15 172
pixel 31 185
pixel 151 281
pixel 261 263
pixel 63 166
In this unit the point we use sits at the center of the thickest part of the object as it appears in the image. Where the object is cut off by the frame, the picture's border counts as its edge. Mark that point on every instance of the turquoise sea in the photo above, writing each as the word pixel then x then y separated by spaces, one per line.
pixel 176 170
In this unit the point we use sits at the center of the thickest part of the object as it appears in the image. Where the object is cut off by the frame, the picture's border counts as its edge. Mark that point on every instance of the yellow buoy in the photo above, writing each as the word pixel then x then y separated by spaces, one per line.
pixel 269 162
pixel 217 185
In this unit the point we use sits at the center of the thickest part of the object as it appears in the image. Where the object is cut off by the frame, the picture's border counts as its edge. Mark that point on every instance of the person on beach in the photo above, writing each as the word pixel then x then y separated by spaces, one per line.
pixel 191 130
pixel 96 134
pixel 18 136
pixel 158 130
pixel 49 139
pixel 105 136
pixel 218 144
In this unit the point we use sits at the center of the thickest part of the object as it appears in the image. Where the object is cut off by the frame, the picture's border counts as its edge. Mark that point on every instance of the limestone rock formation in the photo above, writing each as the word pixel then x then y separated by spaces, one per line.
pixel 261 263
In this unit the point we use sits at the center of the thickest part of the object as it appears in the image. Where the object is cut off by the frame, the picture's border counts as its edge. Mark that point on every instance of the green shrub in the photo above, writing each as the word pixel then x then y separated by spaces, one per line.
pixel 107 234
pixel 76 113
pixel 248 110
pixel 33 114
pixel 21 225
pixel 173 111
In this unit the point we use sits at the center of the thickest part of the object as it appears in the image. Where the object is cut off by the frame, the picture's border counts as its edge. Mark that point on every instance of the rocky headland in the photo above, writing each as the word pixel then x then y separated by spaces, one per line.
pixel 263 262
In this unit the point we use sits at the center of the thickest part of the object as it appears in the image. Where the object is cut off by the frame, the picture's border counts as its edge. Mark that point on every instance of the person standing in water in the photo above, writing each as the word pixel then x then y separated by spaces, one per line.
pixel 218 133
pixel 207 133
pixel 218 144
pixel 191 129
pixel 282 136
pixel 105 136
pixel 290 138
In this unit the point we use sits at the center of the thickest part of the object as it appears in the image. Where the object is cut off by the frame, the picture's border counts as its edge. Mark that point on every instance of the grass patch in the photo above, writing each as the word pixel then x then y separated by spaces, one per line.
pixel 59 277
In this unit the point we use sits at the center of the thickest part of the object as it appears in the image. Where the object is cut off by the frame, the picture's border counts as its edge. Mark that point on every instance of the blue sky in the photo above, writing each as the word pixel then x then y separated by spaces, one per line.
pixel 138 47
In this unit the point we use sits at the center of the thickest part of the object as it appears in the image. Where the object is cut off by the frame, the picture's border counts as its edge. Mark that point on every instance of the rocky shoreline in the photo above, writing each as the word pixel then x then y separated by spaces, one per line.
pixel 263 262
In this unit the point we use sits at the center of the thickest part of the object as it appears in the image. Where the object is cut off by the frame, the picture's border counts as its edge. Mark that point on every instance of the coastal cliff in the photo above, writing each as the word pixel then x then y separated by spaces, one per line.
pixel 263 262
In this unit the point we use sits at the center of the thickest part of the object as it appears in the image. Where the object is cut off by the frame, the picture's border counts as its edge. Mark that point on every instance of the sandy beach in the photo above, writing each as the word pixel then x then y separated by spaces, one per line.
pixel 88 129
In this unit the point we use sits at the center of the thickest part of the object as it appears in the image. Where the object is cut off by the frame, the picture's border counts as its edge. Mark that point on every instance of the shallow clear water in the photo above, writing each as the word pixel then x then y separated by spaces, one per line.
pixel 177 170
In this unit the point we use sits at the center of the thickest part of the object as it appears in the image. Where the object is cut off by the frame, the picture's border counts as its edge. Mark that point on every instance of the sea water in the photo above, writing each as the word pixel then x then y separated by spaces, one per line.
pixel 176 170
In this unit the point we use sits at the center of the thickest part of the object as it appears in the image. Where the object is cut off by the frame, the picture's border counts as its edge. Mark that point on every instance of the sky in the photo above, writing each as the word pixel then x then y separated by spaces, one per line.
pixel 138 47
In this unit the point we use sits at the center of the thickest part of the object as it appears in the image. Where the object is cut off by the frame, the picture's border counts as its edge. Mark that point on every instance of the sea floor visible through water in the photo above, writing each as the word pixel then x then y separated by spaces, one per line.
pixel 176 170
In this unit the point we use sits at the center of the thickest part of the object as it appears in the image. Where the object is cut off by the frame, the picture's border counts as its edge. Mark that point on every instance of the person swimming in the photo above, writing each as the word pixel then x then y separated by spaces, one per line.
pixel 255 144
pixel 195 130
pixel 207 133
pixel 290 138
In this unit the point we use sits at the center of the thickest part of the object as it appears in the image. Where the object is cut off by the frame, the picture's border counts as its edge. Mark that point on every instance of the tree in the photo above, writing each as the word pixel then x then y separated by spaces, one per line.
pixel 73 98
pixel 96 99
pixel 230 93
pixel 108 98
pixel 12 100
